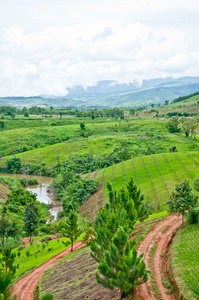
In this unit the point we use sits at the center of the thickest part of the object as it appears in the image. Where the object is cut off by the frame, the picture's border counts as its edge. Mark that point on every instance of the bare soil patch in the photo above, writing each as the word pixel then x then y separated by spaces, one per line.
pixel 75 279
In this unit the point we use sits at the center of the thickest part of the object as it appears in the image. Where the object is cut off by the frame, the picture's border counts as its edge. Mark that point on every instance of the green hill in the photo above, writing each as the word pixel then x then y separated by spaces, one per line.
pixel 156 176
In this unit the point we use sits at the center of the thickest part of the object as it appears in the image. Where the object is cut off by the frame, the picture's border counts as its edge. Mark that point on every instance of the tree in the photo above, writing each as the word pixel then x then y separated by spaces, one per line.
pixel 31 220
pixel 132 111
pixel 111 248
pixel 173 124
pixel 135 194
pixel 189 126
pixel 166 102
pixel 173 149
pixel 13 164
pixel 4 226
pixel 82 126
pixel 182 200
pixel 120 266
pixel 71 229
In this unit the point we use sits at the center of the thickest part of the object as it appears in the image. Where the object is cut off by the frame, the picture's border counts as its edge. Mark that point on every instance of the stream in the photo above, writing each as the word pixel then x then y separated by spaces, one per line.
pixel 41 190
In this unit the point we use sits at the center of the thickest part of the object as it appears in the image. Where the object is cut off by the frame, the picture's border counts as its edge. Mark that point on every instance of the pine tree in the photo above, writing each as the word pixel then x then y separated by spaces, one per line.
pixel 31 220
pixel 71 229
pixel 120 211
pixel 182 200
pixel 120 266
pixel 138 199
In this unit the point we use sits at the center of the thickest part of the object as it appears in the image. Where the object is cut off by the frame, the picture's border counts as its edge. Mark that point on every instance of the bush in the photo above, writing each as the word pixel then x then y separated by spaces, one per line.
pixel 193 216
pixel 48 296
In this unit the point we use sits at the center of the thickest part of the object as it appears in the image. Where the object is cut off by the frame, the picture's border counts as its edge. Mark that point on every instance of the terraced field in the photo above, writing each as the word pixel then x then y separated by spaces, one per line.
pixel 156 176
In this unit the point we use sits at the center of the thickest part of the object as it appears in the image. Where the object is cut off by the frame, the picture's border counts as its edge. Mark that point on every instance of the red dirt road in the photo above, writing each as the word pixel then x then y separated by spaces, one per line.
pixel 159 238
pixel 25 286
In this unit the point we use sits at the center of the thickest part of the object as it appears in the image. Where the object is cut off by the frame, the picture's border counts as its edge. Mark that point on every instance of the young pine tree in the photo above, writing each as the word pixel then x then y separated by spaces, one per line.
pixel 71 229
pixel 135 194
pixel 182 200
pixel 120 266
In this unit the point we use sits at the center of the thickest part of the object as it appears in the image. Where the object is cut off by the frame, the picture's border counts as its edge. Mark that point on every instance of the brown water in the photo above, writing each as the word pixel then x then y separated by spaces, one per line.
pixel 41 190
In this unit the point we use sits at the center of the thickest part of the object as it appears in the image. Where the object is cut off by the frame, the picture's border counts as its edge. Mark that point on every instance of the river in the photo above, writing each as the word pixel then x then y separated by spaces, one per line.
pixel 41 190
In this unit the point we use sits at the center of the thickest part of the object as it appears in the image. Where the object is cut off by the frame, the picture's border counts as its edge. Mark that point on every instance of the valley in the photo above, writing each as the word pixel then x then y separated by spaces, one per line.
pixel 113 171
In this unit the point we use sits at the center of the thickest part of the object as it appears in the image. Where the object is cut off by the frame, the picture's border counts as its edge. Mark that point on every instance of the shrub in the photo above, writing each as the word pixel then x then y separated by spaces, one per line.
pixel 48 296
pixel 193 216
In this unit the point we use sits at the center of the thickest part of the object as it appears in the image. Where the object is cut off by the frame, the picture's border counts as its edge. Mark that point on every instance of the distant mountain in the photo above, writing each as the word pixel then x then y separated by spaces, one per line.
pixel 109 93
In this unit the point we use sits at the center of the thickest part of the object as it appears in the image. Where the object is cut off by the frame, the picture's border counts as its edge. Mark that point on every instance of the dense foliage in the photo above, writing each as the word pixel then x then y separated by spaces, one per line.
pixel 182 98
pixel 119 265
pixel 73 190
pixel 182 200
pixel 85 163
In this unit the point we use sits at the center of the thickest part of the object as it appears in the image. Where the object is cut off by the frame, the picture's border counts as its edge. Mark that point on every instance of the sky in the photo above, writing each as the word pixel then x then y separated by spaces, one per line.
pixel 49 45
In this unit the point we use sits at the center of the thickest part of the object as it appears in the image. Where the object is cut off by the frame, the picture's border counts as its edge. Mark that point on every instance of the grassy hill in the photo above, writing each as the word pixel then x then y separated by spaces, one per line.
pixel 44 144
pixel 190 106
pixel 156 176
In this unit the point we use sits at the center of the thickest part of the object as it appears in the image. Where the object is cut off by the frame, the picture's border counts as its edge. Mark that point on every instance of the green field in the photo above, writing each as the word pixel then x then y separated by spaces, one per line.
pixel 185 261
pixel 156 176
pixel 138 144
pixel 34 260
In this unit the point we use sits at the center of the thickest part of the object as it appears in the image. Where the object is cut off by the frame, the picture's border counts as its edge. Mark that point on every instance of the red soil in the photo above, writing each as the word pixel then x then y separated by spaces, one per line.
pixel 25 286
pixel 160 236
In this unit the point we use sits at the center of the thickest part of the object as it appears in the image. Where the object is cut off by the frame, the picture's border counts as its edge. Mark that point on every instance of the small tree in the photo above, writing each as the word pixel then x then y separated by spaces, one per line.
pixel 120 266
pixel 31 220
pixel 82 126
pixel 189 126
pixel 173 124
pixel 4 226
pixel 135 194
pixel 13 164
pixel 71 229
pixel 182 200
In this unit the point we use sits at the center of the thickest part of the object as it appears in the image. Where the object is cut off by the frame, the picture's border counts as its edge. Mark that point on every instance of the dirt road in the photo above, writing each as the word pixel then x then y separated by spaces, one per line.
pixel 155 247
pixel 25 286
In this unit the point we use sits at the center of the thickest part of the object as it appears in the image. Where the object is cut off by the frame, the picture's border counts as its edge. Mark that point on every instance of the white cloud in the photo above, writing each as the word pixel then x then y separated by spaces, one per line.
pixel 119 40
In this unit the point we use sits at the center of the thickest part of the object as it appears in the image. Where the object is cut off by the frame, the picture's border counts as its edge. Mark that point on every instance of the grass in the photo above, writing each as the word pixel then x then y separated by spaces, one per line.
pixel 185 261
pixel 45 143
pixel 174 167
pixel 32 261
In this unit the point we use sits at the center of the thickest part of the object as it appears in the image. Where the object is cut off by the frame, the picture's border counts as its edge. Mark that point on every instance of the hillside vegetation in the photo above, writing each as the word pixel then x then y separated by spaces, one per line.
pixel 156 176
pixel 185 261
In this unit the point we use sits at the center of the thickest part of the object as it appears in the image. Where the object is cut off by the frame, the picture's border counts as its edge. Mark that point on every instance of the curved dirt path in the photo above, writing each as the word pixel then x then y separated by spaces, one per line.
pixel 159 239
pixel 25 286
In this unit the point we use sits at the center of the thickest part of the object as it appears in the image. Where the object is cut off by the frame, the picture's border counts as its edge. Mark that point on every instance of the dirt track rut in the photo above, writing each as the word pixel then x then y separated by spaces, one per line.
pixel 25 286
pixel 159 238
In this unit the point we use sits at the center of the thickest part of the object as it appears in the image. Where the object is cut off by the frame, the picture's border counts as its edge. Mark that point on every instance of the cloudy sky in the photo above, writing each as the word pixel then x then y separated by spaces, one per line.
pixel 48 45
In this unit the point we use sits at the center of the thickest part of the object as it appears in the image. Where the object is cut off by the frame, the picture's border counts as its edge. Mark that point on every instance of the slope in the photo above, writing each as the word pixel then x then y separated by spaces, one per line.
pixel 156 176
